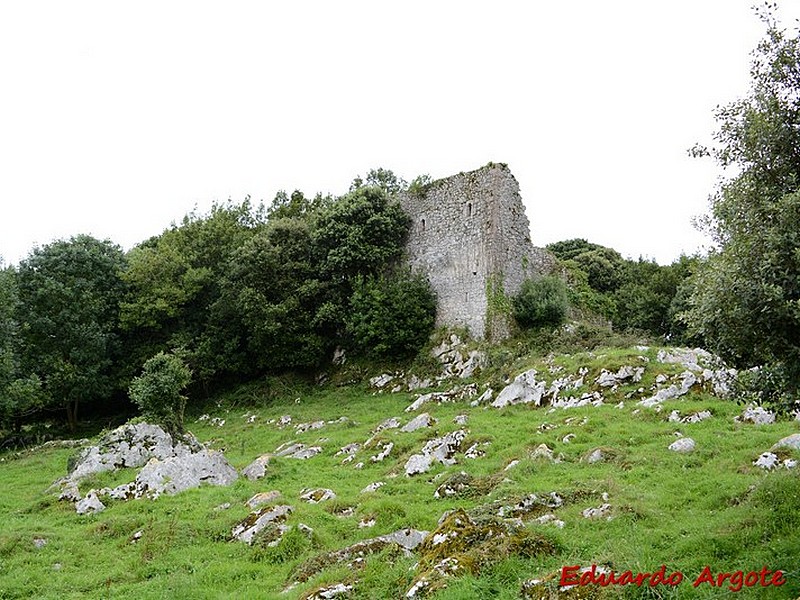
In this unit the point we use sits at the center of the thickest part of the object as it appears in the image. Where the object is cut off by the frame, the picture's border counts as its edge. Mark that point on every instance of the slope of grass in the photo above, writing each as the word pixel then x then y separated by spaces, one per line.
pixel 686 511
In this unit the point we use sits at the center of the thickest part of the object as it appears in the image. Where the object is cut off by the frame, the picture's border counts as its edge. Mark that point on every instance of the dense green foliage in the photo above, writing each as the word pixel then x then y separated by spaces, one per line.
pixel 157 391
pixel 633 295
pixel 391 316
pixel 241 291
pixel 746 304
pixel 541 302
pixel 69 294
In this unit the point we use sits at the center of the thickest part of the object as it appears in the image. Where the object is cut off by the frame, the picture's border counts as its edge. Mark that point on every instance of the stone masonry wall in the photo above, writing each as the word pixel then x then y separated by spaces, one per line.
pixel 469 232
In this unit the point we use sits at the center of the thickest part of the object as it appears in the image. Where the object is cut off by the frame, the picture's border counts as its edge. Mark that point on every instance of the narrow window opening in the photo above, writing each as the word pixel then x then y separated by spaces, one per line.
pixel 423 224
pixel 469 209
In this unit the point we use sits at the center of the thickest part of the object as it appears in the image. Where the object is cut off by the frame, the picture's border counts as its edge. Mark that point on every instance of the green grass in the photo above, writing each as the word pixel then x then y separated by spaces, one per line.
pixel 710 507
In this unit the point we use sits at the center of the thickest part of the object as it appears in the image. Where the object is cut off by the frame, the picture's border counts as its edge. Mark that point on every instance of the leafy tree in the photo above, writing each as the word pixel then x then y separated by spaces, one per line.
pixel 265 318
pixel 69 294
pixel 384 179
pixel 157 391
pixel 746 302
pixel 174 280
pixel 391 316
pixel 296 206
pixel 541 302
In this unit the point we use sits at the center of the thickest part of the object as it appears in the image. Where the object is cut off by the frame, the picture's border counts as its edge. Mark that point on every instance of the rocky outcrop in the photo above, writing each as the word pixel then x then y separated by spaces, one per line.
pixel 440 450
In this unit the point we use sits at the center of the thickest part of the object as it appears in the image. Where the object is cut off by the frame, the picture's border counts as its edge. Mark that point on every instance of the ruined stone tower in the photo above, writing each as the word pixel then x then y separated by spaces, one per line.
pixel 470 236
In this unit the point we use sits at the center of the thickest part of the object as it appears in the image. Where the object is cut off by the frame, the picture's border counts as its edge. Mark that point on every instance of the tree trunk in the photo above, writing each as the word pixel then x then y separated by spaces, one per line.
pixel 72 415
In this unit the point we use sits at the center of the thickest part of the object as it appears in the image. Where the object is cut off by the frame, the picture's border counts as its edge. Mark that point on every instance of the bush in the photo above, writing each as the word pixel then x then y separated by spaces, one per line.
pixel 391 316
pixel 157 391
pixel 541 302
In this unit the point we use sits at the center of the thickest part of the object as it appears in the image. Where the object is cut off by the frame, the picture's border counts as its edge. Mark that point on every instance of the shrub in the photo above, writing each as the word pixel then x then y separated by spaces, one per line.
pixel 157 391
pixel 541 302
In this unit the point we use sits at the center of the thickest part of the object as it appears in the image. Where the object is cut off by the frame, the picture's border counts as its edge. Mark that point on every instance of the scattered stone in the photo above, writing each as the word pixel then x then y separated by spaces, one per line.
pixel 607 379
pixel 415 383
pixel 418 422
pixel 454 486
pixel 543 452
pixel 339 356
pixel 262 498
pixel 602 511
pixel 70 492
pixel 258 468
pixel 474 451
pixel 595 456
pixel 306 453
pixel 372 487
pixel 365 523
pixel 318 495
pixel 39 543
pixel 284 421
pixel 390 423
pixel 136 536
pixel 675 417
pixel 550 519
pixel 217 422
pixel 387 448
pixel 358 465
pixel 353 556
pixel 769 461
pixel 297 450
pixel 223 506
pixel 791 442
pixel 331 591
pixel 523 390
pixel 511 465
pixel 350 450
pixel 684 444
pixel 439 449
pixel 258 520
pixel 756 415
pixel 460 419
pixel 303 427
pixel 485 397
pixel 381 381
pixel 90 504
pixel 568 438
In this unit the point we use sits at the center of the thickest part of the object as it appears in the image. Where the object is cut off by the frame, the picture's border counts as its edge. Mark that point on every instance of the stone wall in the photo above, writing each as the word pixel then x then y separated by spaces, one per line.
pixel 470 235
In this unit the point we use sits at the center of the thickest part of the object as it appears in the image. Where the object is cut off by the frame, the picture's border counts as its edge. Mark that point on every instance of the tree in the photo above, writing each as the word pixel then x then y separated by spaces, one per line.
pixel 69 294
pixel 157 391
pixel 391 316
pixel 746 300
pixel 174 279
pixel 541 302
pixel 20 394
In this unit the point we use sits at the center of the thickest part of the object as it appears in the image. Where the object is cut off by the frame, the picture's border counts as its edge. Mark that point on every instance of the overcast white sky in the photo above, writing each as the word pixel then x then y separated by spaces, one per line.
pixel 118 118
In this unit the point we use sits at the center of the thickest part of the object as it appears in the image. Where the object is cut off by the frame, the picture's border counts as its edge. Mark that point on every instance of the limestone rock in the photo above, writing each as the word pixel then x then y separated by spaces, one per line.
pixel 523 390
pixel 336 590
pixel 790 442
pixel 258 468
pixel 550 519
pixel 485 397
pixel 131 445
pixel 460 419
pixel 386 449
pixel 418 422
pixel 675 417
pixel 90 504
pixel 418 463
pixel 757 415
pixel 180 473
pixel 381 381
pixel 318 495
pixel 303 427
pixel 601 512
pixel 372 487
pixel 390 423
pixel 684 444
pixel 257 521
pixel 625 373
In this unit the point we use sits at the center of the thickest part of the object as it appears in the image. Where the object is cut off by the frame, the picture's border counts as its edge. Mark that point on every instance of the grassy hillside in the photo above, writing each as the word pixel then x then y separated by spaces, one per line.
pixel 710 507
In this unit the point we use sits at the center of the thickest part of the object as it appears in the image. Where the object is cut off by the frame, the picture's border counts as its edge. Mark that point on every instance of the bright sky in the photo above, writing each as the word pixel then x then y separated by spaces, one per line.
pixel 118 118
